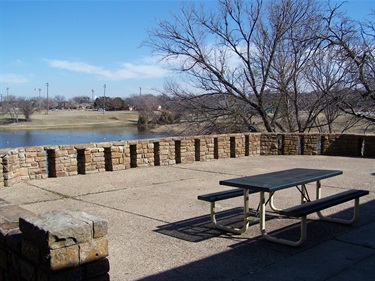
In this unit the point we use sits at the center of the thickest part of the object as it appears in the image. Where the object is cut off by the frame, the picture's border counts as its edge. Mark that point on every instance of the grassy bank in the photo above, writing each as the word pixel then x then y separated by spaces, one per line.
pixel 68 119
pixel 65 119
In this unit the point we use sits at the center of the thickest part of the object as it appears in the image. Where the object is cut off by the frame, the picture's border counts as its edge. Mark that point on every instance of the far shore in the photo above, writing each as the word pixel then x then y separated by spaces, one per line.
pixel 81 119
pixel 89 119
pixel 69 119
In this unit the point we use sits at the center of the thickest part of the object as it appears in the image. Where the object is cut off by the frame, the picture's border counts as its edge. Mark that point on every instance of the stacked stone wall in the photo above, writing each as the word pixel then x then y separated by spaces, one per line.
pixel 90 158
pixel 187 150
pixel 342 145
pixel 62 161
pixel 118 156
pixel 167 152
pixel 290 144
pixel 207 148
pixel 144 153
pixel 68 160
pixel 311 144
pixel 64 245
pixel 255 146
pixel 269 144
pixel 24 163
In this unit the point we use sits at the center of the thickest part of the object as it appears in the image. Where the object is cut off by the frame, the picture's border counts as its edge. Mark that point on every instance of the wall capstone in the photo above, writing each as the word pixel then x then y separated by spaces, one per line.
pixel 58 245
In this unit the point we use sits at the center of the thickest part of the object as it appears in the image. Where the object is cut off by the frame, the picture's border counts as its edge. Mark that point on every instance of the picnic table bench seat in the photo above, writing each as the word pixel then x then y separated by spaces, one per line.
pixel 222 195
pixel 323 203
pixel 301 211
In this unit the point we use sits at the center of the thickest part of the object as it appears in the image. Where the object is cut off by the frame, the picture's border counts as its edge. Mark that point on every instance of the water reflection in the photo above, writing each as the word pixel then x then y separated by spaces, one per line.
pixel 20 138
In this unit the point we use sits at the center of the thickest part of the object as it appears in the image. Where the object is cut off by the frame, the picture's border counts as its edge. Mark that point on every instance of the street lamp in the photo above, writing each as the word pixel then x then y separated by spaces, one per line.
pixel 7 91
pixel 39 100
pixel 47 97
pixel 104 98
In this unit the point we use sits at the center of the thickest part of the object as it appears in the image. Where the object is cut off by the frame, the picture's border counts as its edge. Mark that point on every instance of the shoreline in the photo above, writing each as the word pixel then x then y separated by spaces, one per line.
pixel 73 119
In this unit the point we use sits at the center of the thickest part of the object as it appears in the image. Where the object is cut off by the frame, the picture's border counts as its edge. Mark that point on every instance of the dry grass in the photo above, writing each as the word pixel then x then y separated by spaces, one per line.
pixel 65 119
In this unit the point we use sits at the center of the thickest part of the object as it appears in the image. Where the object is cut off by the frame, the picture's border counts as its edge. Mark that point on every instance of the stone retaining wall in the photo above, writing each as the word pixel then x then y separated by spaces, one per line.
pixel 55 246
pixel 28 163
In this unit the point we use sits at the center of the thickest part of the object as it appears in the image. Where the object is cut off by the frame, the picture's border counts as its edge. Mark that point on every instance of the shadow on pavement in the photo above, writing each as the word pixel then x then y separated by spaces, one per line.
pixel 200 228
pixel 252 255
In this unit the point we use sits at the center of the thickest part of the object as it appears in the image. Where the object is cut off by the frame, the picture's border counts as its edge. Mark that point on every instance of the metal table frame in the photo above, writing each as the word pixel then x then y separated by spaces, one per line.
pixel 272 182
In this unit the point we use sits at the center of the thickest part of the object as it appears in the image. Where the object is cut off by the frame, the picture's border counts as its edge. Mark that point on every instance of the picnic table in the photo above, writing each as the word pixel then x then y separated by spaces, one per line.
pixel 270 183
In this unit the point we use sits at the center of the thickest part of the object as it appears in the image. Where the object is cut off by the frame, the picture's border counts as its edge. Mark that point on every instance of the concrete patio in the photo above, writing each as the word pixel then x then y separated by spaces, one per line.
pixel 158 230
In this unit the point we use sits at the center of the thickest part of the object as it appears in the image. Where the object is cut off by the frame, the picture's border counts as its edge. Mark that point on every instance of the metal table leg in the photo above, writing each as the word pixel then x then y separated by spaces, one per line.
pixel 246 219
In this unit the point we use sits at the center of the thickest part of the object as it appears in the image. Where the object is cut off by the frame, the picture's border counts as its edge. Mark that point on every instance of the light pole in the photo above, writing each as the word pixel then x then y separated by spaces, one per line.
pixel 7 91
pixel 39 100
pixel 47 97
pixel 92 98
pixel 104 98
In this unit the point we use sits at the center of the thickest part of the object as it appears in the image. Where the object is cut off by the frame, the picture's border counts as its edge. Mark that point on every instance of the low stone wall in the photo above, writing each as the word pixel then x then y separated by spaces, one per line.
pixel 28 163
pixel 54 246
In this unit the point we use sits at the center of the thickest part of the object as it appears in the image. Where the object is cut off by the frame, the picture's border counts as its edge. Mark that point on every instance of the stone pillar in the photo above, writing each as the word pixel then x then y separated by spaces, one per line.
pixel 269 144
pixel 209 147
pixel 64 244
pixel 167 152
pixel 187 150
pixel 118 156
pixel 62 161
pixel 144 152
pixel 291 143
pixel 254 148
pixel 311 144
pixel 58 245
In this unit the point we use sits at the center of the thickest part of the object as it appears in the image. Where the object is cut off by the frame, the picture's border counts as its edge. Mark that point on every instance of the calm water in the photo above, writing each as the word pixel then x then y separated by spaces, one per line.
pixel 60 137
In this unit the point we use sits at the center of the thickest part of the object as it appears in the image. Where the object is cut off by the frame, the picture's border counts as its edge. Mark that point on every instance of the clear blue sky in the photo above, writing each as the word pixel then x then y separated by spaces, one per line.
pixel 78 46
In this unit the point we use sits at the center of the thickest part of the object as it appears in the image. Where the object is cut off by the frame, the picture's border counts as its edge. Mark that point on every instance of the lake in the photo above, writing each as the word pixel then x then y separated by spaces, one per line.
pixel 21 138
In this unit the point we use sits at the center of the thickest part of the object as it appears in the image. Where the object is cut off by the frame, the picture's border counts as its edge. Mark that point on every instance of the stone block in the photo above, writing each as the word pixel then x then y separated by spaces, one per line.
pixel 99 225
pixel 6 227
pixel 96 268
pixel 13 240
pixel 71 274
pixel 62 258
pixel 55 230
pixel 30 251
pixel 91 251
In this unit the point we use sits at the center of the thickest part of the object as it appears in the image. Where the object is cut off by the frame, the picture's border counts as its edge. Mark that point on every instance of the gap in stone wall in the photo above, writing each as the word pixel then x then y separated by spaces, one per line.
pixel 177 145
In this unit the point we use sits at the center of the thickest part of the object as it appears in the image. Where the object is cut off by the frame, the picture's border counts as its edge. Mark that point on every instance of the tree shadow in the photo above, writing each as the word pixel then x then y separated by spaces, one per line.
pixel 8 121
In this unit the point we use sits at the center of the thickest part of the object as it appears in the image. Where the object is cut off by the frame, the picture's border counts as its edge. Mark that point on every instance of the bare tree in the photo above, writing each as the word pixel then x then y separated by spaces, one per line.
pixel 11 106
pixel 15 106
pixel 61 101
pixel 284 65
pixel 28 106
pixel 354 45
pixel 146 105
pixel 246 55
